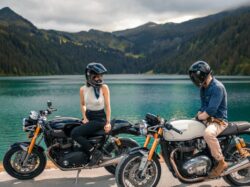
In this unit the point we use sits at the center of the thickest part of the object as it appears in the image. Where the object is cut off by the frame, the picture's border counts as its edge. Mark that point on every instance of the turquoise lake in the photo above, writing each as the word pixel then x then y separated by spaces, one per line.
pixel 132 96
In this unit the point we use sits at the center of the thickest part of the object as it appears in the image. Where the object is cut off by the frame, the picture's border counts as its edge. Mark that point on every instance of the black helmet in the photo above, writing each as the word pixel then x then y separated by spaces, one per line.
pixel 91 71
pixel 198 72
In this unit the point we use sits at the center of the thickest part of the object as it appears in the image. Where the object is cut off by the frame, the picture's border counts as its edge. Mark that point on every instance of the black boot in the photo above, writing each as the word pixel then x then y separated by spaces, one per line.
pixel 95 157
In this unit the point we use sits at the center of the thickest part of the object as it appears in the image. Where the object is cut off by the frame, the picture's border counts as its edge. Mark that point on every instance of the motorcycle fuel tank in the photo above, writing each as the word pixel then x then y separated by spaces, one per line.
pixel 191 129
pixel 59 123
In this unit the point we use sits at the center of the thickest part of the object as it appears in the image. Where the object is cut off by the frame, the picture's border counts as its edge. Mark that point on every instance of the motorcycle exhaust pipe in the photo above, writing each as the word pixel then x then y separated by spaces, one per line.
pixel 245 163
pixel 113 161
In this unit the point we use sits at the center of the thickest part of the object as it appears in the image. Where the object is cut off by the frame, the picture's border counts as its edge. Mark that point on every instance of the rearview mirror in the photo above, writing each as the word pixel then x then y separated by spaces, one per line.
pixel 49 103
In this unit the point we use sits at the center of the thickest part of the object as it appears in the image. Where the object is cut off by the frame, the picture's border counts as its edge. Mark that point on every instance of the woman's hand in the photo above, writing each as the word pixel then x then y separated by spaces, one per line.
pixel 85 120
pixel 107 127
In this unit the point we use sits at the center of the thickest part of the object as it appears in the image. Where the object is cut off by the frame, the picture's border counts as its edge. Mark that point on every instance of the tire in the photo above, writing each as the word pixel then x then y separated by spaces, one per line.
pixel 126 145
pixel 134 161
pixel 19 175
pixel 231 180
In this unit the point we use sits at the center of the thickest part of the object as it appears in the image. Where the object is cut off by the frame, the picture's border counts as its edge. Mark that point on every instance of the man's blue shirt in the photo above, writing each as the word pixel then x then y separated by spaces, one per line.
pixel 214 100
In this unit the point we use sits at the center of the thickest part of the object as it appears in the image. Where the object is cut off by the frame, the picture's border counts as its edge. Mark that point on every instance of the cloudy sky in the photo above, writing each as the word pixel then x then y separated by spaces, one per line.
pixel 112 15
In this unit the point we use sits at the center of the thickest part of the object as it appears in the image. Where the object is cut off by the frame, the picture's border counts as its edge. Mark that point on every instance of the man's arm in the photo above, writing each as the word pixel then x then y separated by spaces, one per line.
pixel 213 105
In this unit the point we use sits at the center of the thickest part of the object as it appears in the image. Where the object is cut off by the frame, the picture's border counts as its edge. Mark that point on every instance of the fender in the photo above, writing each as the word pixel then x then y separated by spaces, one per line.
pixel 133 130
pixel 245 132
pixel 123 127
pixel 141 150
pixel 24 146
pixel 132 140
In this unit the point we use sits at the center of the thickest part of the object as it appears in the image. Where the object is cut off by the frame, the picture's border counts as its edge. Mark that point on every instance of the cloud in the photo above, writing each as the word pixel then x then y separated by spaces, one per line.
pixel 110 15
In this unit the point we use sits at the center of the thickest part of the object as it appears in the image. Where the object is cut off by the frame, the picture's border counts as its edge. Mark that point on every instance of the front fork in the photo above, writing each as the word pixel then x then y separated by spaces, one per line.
pixel 146 159
pixel 32 144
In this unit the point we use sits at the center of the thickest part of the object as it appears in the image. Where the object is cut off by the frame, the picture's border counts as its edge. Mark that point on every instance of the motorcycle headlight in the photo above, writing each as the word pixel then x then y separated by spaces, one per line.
pixel 29 124
pixel 143 128
pixel 33 115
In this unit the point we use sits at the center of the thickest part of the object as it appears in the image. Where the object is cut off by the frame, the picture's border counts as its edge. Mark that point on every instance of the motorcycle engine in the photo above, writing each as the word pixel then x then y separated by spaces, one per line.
pixel 68 154
pixel 199 166
pixel 73 159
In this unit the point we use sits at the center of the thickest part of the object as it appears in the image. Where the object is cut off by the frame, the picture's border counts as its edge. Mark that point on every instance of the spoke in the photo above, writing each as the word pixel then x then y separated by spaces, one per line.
pixel 132 175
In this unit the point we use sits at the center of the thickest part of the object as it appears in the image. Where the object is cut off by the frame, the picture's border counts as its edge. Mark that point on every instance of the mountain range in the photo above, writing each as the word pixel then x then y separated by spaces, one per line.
pixel 222 39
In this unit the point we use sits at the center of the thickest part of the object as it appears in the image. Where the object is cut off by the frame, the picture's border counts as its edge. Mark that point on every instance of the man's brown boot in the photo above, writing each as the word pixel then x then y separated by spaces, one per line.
pixel 216 172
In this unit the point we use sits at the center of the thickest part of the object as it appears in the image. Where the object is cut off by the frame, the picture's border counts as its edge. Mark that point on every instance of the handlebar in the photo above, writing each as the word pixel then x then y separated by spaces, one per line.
pixel 53 109
pixel 170 127
pixel 47 112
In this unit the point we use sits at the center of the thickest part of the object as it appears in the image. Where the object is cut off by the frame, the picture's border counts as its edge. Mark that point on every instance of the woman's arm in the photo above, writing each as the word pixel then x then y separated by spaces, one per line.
pixel 83 106
pixel 106 94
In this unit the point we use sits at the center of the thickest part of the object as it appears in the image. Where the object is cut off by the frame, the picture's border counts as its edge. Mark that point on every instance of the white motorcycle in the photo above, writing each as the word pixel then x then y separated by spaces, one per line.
pixel 185 153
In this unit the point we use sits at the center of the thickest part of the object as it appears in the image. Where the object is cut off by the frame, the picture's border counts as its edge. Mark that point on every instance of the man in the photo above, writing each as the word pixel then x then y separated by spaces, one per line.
pixel 213 110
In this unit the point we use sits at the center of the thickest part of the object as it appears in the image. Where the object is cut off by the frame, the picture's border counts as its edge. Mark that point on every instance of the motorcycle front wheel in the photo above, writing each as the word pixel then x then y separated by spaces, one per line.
pixel 13 163
pixel 128 173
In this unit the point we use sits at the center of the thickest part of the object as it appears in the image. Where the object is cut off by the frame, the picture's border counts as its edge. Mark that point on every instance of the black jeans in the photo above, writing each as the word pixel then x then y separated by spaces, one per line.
pixel 97 121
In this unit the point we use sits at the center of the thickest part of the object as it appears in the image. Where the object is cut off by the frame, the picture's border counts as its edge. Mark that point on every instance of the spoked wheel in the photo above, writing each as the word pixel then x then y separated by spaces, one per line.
pixel 241 177
pixel 13 163
pixel 129 175
pixel 126 145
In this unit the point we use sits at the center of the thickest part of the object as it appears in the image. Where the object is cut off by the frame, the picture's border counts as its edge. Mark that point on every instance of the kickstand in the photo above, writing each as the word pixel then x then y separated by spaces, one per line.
pixel 77 175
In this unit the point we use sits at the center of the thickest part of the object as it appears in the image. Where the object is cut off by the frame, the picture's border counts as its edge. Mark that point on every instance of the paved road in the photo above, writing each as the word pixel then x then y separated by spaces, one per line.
pixel 92 178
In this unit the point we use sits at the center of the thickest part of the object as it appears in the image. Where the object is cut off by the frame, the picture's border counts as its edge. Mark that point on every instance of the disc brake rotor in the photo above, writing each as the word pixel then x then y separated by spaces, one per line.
pixel 17 162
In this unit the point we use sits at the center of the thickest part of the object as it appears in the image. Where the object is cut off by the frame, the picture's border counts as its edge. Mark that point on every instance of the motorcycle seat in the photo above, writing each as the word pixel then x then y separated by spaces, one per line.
pixel 116 125
pixel 236 128
pixel 97 136
pixel 98 133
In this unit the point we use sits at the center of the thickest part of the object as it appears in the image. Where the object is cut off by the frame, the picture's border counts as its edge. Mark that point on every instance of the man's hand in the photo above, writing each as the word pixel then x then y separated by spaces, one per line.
pixel 107 127
pixel 203 116
pixel 198 113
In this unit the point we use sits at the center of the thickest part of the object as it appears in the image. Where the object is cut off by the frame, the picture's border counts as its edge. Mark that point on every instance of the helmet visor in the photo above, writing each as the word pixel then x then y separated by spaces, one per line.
pixel 196 79
pixel 96 80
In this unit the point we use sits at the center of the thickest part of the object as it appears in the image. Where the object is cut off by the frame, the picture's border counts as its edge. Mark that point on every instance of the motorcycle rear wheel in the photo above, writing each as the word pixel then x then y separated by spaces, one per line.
pixel 241 177
pixel 126 145
pixel 13 166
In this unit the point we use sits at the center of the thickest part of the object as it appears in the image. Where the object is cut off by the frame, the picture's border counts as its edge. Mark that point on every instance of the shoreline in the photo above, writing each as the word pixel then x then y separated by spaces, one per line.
pixel 1 167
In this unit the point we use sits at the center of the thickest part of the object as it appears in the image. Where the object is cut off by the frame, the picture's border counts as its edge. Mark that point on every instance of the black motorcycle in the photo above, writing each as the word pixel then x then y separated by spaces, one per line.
pixel 185 153
pixel 26 160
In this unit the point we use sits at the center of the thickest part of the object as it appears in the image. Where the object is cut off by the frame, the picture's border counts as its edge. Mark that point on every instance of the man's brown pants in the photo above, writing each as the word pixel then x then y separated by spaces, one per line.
pixel 210 134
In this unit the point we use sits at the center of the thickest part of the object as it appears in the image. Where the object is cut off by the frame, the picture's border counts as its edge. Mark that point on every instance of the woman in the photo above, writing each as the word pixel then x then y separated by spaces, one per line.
pixel 94 98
